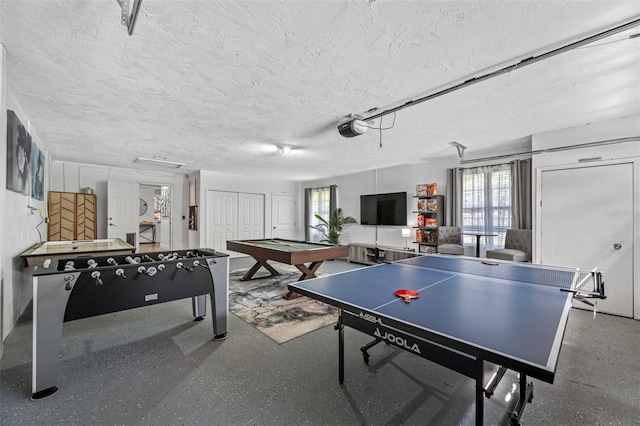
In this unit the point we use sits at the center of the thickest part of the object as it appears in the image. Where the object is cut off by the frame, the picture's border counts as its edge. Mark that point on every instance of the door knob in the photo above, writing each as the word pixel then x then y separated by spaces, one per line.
pixel 617 246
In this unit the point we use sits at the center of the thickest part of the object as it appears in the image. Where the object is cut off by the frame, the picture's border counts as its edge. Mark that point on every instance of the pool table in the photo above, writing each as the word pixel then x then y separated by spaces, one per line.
pixel 53 250
pixel 305 255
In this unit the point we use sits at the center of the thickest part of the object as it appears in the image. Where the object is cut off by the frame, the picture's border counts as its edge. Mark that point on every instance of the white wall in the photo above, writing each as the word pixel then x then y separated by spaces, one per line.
pixel 19 230
pixel 208 180
pixel 594 132
pixel 72 177
pixel 3 179
pixel 392 179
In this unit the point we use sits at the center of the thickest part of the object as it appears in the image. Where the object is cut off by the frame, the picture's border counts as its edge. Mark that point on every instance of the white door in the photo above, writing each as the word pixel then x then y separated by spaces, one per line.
pixel 586 222
pixel 283 216
pixel 222 219
pixel 250 216
pixel 123 210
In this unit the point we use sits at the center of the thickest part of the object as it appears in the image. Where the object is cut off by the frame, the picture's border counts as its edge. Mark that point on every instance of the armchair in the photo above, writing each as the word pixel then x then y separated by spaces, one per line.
pixel 450 240
pixel 517 246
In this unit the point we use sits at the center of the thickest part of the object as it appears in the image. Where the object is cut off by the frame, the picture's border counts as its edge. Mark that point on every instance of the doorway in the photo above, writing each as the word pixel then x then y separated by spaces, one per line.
pixel 154 231
pixel 138 215
pixel 586 221
pixel 283 216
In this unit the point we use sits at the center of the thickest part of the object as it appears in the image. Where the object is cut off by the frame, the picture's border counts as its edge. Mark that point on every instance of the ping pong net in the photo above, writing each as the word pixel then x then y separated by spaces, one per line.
pixel 583 284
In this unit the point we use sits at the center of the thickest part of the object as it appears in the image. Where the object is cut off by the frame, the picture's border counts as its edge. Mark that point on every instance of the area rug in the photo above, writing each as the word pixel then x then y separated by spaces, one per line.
pixel 259 302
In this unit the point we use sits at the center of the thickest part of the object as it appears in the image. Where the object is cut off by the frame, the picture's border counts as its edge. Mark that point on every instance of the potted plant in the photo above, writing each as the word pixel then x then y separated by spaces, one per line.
pixel 331 229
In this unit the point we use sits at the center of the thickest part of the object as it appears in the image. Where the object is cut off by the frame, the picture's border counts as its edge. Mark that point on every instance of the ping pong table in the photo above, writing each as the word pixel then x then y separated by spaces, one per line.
pixel 475 317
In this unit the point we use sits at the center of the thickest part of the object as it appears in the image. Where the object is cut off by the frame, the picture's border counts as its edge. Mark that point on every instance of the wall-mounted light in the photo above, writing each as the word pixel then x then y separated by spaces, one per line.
pixel 158 162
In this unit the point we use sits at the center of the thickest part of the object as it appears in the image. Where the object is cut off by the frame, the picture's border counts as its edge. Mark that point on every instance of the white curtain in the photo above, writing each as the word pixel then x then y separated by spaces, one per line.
pixel 318 201
pixel 486 202
pixel 308 216
pixel 490 199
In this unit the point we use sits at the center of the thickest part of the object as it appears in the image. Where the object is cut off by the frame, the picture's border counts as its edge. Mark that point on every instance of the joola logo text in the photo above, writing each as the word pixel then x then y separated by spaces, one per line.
pixel 370 318
pixel 398 340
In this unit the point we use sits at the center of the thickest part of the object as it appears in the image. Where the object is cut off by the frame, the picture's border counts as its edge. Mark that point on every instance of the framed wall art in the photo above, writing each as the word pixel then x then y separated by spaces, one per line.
pixel 18 155
pixel 37 172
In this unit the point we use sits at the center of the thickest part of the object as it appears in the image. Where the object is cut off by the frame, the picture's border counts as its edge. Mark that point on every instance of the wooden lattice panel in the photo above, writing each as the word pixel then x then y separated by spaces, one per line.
pixel 62 213
pixel 71 216
pixel 67 216
pixel 85 217
pixel 53 230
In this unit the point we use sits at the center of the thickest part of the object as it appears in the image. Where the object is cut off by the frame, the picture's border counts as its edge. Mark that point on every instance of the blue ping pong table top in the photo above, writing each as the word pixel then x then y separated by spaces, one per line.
pixel 515 319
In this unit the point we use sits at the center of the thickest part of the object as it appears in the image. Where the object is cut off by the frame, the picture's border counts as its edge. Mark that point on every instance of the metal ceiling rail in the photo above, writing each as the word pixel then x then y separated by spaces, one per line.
pixel 507 69
pixel 557 149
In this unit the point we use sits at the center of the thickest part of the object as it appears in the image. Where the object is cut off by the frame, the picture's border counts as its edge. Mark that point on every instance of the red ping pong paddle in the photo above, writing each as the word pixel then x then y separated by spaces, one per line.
pixel 407 295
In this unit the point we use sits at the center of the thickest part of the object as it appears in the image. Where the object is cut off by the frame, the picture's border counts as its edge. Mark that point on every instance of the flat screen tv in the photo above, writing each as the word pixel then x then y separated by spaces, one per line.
pixel 384 209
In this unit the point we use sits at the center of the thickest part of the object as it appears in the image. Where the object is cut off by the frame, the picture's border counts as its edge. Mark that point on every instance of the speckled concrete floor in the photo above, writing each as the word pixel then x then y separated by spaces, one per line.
pixel 154 366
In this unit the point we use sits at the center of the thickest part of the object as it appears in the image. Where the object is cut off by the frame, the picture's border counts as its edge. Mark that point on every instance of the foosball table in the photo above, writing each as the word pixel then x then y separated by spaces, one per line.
pixel 76 288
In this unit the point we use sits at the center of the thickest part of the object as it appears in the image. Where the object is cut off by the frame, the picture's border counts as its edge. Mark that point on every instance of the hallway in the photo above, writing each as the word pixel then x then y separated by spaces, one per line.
pixel 149 247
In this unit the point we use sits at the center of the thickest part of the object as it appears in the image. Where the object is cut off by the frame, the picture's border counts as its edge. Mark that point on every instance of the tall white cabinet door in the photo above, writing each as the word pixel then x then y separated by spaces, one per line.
pixel 250 216
pixel 222 219
pixel 587 222
pixel 283 216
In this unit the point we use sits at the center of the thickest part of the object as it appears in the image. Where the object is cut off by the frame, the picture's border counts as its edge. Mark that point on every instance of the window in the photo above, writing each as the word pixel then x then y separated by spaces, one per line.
pixel 486 203
pixel 320 204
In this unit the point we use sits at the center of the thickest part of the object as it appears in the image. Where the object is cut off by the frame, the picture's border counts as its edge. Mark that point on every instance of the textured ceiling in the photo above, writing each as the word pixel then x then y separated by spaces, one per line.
pixel 218 84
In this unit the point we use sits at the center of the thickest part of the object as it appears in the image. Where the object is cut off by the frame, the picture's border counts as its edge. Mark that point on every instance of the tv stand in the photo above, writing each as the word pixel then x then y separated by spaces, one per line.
pixel 371 254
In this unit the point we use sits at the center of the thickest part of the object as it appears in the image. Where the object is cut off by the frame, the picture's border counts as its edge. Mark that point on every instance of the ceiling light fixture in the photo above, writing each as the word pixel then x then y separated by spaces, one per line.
pixel 129 14
pixel 158 162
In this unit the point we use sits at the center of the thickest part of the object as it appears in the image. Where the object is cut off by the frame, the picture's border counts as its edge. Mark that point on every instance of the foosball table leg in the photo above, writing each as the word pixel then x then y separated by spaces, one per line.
pixel 50 296
pixel 199 306
pixel 219 269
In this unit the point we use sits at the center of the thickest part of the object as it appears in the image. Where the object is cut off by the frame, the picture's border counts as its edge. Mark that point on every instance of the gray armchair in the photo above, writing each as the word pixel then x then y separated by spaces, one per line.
pixel 450 240
pixel 517 246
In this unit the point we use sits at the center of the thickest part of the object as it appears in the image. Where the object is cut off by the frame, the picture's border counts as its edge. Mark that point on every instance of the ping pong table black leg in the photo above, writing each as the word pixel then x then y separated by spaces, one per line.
pixel 365 349
pixel 340 329
pixel 526 395
pixel 479 392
